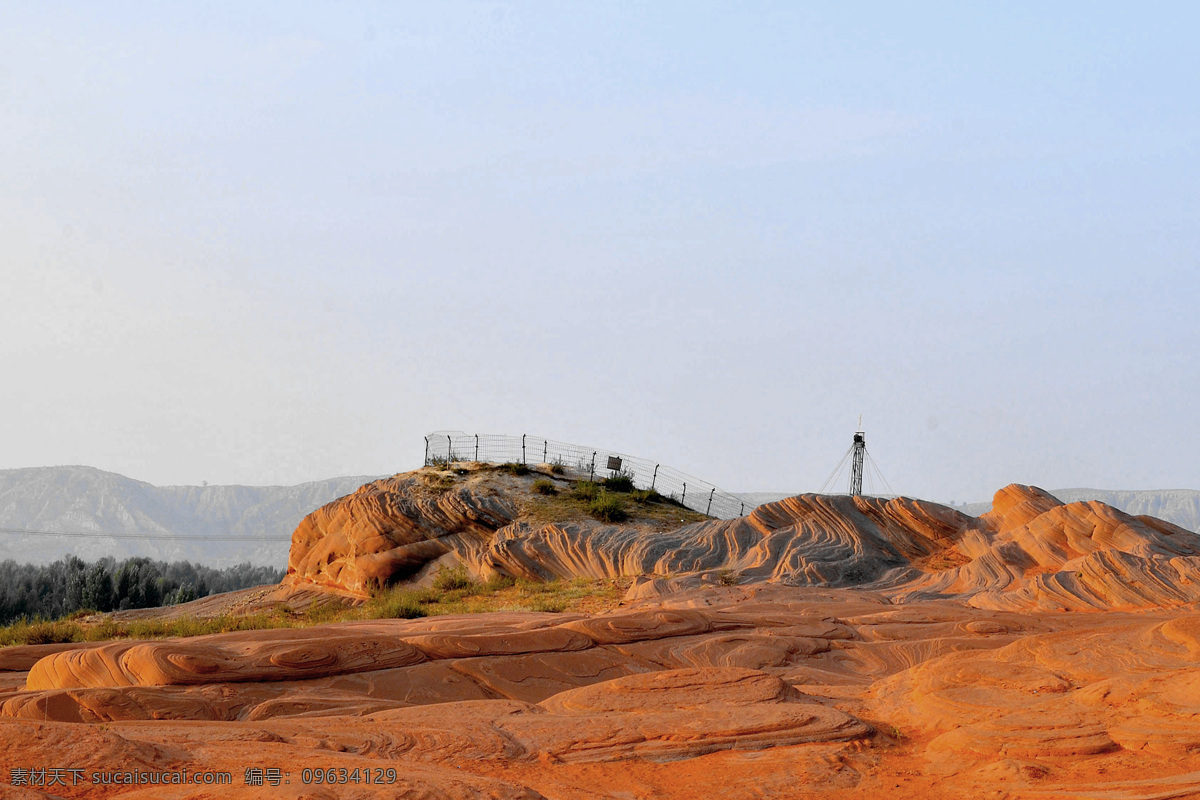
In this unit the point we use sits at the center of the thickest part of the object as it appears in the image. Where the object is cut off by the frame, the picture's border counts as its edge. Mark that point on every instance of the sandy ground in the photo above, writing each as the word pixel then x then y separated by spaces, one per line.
pixel 733 692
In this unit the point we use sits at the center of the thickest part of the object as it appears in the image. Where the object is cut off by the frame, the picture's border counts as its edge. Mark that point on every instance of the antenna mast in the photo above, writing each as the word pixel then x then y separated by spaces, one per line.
pixel 856 465
pixel 861 466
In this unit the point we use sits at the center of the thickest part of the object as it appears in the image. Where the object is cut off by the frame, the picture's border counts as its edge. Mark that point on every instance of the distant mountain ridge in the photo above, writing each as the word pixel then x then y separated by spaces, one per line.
pixel 1178 506
pixel 85 499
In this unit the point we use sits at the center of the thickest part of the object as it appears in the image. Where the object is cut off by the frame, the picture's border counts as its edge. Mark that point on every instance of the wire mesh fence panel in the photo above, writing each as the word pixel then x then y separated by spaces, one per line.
pixel 585 463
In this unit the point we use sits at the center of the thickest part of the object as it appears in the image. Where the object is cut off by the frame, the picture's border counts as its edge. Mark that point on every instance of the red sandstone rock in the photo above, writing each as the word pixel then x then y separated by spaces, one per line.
pixel 870 648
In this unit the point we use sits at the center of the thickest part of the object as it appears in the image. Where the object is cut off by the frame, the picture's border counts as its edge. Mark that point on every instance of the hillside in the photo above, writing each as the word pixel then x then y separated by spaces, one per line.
pixel 85 499
pixel 1029 552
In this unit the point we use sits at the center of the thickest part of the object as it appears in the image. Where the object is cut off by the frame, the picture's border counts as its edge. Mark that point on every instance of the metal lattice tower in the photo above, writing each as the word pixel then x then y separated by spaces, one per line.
pixel 863 469
pixel 856 465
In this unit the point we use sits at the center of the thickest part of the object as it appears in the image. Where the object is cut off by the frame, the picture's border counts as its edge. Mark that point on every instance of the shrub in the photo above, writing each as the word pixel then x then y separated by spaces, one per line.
pixel 557 468
pixel 513 468
pixel 620 482
pixel 107 629
pixel 452 579
pixel 40 632
pixel 586 490
pixel 319 613
pixel 439 482
pixel 608 508
pixel 548 604
pixel 544 486
pixel 728 577
pixel 498 583
pixel 399 605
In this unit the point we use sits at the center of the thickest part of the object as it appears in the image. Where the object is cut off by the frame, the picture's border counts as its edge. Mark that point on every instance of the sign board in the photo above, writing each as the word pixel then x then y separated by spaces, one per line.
pixel 614 462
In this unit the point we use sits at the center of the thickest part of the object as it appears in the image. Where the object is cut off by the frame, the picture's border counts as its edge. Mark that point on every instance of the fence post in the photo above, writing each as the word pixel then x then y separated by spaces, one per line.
pixel 449 448
pixel 545 451
pixel 654 478
pixel 683 497
pixel 710 496
pixel 523 448
pixel 477 447
pixel 743 509
pixel 427 451
pixel 592 474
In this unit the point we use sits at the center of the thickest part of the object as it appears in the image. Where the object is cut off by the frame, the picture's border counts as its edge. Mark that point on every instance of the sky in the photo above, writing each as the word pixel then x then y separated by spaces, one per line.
pixel 268 243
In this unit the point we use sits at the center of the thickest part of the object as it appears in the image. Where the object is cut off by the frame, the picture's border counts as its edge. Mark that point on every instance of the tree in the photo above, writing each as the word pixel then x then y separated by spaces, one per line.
pixel 76 577
pixel 98 589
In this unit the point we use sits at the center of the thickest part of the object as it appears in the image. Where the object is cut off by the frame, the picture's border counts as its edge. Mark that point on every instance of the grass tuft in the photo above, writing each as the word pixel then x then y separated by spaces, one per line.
pixel 498 584
pixel 619 482
pixel 397 604
pixel 586 490
pixel 450 579
pixel 551 605
pixel 545 486
pixel 608 508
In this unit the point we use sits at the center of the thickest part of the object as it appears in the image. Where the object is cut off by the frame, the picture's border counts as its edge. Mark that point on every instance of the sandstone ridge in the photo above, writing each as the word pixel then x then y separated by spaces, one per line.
pixel 1030 552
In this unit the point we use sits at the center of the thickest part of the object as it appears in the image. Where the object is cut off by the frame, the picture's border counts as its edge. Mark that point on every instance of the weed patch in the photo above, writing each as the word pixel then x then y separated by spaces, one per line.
pixel 608 508
pixel 397 605
pixel 619 482
pixel 586 490
pixel 63 631
pixel 452 578
pixel 728 577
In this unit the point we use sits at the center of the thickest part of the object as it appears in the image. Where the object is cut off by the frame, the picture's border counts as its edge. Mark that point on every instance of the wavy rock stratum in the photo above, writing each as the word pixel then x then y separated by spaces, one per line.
pixel 390 529
pixel 762 690
pixel 1030 552
pixel 868 648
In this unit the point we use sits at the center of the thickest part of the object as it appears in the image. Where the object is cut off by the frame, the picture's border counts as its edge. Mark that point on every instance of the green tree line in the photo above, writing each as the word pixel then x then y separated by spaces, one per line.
pixel 32 591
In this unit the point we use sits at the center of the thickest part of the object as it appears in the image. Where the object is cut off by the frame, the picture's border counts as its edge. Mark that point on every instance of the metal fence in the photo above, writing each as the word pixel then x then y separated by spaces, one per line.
pixel 584 462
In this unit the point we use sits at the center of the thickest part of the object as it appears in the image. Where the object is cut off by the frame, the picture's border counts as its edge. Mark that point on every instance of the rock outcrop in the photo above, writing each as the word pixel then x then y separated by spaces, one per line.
pixel 390 529
pixel 759 690
pixel 1030 551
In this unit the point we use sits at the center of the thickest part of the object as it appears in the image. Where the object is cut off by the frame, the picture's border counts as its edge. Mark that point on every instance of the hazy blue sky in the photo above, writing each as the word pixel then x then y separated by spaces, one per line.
pixel 269 243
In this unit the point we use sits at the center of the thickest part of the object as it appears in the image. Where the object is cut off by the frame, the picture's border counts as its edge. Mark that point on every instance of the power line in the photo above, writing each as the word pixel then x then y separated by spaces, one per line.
pixel 161 536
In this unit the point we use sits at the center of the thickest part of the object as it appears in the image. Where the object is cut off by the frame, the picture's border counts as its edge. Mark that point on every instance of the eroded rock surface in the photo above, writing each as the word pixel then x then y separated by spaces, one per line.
pixel 739 691
pixel 825 647
pixel 1029 552
pixel 390 529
